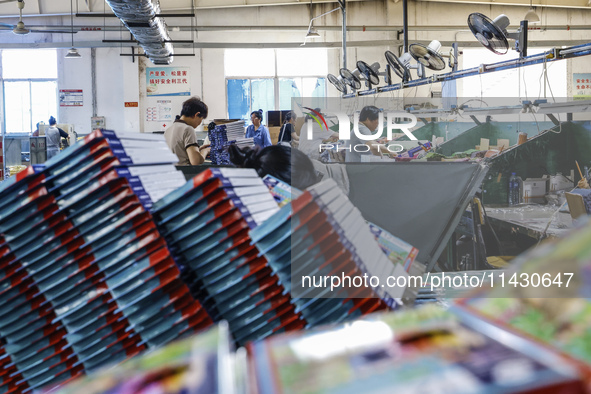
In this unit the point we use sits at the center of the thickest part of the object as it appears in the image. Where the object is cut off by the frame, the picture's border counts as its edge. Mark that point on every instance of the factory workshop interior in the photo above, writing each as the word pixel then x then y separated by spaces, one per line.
pixel 292 196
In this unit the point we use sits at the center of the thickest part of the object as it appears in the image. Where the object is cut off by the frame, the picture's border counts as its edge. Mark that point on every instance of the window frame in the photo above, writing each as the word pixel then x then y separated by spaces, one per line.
pixel 276 85
pixel 275 88
pixel 30 81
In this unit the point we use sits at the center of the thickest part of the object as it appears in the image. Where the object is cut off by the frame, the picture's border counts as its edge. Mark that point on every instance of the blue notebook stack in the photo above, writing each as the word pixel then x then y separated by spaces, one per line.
pixel 224 135
pixel 95 261
pixel 34 350
pixel 206 224
pixel 321 234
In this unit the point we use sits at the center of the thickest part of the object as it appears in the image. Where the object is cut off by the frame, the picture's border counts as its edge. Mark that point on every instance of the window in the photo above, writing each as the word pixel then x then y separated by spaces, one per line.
pixel 247 95
pixel 30 88
pixel 268 79
pixel 301 87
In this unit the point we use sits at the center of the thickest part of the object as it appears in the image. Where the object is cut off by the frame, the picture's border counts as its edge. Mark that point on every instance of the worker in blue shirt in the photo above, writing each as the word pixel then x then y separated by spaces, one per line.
pixel 257 131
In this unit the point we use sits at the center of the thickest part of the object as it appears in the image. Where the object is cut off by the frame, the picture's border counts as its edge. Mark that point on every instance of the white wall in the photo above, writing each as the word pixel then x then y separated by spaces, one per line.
pixel 116 83
pixel 214 83
pixel 75 74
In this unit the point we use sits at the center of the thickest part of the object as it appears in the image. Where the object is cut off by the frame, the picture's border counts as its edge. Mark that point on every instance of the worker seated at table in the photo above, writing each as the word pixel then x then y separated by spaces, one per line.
pixel 181 138
pixel 257 131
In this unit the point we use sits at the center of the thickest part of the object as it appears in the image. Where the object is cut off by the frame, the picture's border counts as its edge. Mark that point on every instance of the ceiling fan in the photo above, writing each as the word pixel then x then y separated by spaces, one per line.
pixel 20 27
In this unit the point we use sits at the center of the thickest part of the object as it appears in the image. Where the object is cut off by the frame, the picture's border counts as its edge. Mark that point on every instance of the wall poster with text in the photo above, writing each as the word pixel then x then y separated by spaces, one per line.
pixel 168 81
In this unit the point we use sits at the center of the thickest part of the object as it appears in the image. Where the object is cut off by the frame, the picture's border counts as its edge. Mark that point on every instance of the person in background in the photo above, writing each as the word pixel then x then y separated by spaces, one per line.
pixel 53 137
pixel 287 134
pixel 64 138
pixel 369 122
pixel 256 130
pixel 288 165
pixel 36 132
pixel 181 138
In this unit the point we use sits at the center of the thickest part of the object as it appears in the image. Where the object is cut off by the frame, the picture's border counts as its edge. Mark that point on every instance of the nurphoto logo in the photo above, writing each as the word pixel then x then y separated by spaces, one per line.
pixel 400 121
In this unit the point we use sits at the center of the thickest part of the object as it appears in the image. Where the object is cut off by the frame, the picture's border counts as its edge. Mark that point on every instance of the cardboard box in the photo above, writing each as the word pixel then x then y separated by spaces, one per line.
pixel 534 190
pixel 274 132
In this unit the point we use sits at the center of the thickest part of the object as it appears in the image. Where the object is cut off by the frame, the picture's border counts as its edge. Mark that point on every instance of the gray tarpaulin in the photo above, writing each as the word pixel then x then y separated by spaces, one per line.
pixel 420 202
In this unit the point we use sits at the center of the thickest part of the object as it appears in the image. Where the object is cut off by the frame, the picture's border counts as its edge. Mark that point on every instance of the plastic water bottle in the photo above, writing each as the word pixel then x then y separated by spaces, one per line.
pixel 518 190
pixel 511 186
pixel 514 189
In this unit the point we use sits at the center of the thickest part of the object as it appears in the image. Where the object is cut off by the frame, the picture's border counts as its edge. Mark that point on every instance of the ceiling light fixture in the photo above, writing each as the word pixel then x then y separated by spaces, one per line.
pixel 531 16
pixel 312 32
pixel 20 28
pixel 73 52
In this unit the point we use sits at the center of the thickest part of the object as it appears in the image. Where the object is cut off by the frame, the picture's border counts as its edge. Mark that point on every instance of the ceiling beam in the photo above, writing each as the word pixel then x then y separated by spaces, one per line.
pixel 380 28
pixel 376 28
pixel 229 4
pixel 223 45
pixel 202 6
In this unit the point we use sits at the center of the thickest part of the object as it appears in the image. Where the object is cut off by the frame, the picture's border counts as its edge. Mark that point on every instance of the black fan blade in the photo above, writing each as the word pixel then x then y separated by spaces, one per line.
pixel 489 34
pixel 397 66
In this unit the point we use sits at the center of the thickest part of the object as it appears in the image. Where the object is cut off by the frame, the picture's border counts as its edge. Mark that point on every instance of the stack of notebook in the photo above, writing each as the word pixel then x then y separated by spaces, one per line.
pixel 207 224
pixel 34 350
pixel 224 135
pixel 101 284
pixel 321 235
pixel 282 192
pixel 398 251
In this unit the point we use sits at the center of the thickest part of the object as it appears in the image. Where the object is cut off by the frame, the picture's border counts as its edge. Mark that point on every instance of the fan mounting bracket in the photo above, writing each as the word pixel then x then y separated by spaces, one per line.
pixel 520 37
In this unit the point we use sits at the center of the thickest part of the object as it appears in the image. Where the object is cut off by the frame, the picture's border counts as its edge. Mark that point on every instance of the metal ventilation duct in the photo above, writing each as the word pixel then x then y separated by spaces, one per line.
pixel 139 16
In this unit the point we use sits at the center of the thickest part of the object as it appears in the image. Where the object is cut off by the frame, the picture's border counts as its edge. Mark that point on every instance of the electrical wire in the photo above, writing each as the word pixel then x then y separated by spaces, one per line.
pixel 535 120
pixel 475 99
pixel 519 96
pixel 557 114
pixel 550 87
pixel 524 83
pixel 481 91
pixel 544 74
pixel 539 92
pixel 540 78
